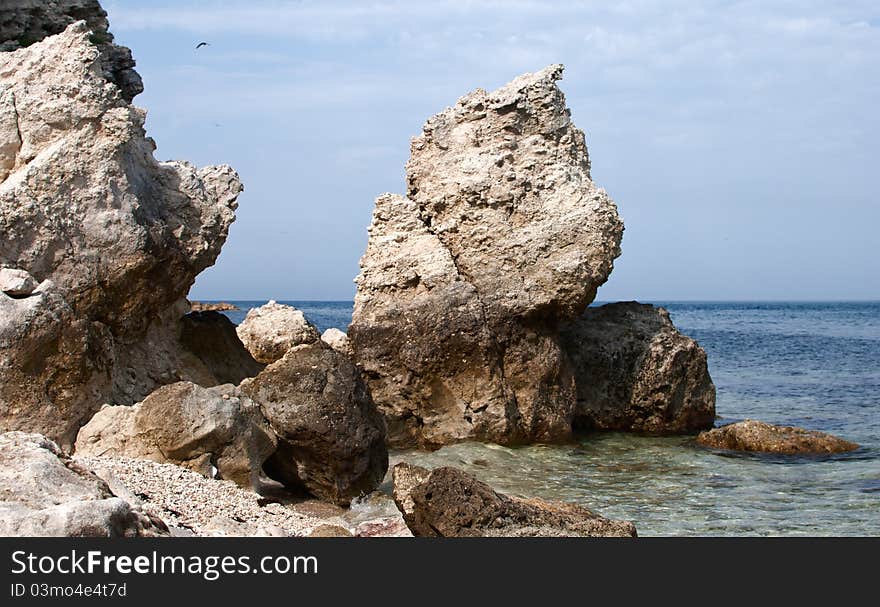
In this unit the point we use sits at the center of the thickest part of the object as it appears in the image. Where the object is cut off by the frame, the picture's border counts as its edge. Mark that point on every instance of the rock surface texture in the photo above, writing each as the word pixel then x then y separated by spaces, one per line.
pixel 635 372
pixel 751 435
pixel 269 331
pixel 331 438
pixel 114 238
pixel 45 493
pixel 337 340
pixel 501 237
pixel 447 502
pixel 199 428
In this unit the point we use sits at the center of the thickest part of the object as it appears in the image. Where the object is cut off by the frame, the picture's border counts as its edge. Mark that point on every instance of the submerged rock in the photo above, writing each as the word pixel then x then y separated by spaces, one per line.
pixel 77 175
pixel 501 237
pixel 635 372
pixel 270 330
pixel 331 439
pixel 198 428
pixel 751 435
pixel 45 493
pixel 447 502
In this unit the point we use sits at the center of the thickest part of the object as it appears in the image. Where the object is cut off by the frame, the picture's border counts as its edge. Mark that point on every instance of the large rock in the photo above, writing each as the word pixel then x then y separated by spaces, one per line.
pixel 447 502
pixel 751 435
pixel 114 238
pixel 29 21
pixel 270 330
pixel 211 337
pixel 185 424
pixel 635 372
pixel 45 493
pixel 331 439
pixel 502 236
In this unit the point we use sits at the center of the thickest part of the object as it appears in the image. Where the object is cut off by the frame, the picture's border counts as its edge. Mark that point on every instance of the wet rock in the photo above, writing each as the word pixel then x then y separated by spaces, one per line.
pixel 331 439
pixel 270 330
pixel 447 502
pixel 502 236
pixel 635 372
pixel 751 435
pixel 45 493
pixel 199 428
pixel 77 175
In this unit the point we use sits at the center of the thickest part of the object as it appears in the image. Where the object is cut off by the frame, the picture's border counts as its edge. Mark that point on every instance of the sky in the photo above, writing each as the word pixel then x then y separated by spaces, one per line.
pixel 740 140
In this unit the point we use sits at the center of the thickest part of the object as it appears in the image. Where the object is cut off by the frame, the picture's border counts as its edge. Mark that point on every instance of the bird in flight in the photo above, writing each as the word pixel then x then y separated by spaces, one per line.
pixel 201 44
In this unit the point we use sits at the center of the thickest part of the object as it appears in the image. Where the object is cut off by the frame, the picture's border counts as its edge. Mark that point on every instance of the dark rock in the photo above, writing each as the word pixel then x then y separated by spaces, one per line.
pixel 211 337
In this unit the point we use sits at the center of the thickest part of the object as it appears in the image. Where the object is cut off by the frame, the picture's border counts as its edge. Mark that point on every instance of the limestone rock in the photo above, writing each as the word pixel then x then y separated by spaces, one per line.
pixel 751 435
pixel 29 21
pixel 16 283
pixel 45 493
pixel 116 237
pixel 331 439
pixel 198 428
pixel 211 337
pixel 502 236
pixel 269 331
pixel 447 502
pixel 337 340
pixel 209 306
pixel 635 372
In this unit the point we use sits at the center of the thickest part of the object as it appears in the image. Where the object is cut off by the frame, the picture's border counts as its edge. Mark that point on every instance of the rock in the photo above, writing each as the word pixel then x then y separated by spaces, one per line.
pixel 114 237
pixel 384 527
pixel 635 372
pixel 502 236
pixel 269 331
pixel 201 306
pixel 16 283
pixel 337 340
pixel 330 531
pixel 211 337
pixel 751 435
pixel 447 502
pixel 45 493
pixel 331 439
pixel 198 428
pixel 30 21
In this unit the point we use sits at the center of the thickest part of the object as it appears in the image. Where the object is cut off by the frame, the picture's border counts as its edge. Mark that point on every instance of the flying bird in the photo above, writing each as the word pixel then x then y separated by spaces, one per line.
pixel 201 44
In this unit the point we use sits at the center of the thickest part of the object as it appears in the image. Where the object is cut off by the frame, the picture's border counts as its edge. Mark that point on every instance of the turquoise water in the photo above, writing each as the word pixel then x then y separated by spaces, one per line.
pixel 815 365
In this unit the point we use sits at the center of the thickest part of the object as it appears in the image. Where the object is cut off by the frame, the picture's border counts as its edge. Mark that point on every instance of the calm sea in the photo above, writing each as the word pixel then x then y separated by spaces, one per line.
pixel 815 365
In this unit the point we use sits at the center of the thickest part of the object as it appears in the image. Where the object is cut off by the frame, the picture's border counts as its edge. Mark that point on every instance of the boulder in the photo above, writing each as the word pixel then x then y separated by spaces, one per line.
pixel 337 340
pixel 199 428
pixel 751 435
pixel 28 21
pixel 16 283
pixel 114 237
pixel 447 502
pixel 212 338
pixel 635 372
pixel 502 236
pixel 45 493
pixel 331 439
pixel 270 330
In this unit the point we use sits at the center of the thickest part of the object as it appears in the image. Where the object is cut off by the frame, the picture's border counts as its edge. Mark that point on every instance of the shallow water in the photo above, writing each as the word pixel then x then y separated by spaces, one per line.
pixel 815 365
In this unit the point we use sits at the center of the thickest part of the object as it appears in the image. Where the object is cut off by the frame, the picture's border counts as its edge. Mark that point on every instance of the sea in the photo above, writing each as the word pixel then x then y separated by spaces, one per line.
pixel 814 365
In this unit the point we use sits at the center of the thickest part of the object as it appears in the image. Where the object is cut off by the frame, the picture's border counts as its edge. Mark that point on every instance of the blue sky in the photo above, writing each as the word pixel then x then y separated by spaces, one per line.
pixel 739 139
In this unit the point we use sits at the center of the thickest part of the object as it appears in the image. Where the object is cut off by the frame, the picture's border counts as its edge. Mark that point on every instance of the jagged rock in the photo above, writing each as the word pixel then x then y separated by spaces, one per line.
pixel 503 236
pixel 331 439
pixel 270 330
pixel 337 340
pixel 447 502
pixel 45 493
pixel 198 428
pixel 116 237
pixel 751 435
pixel 202 306
pixel 30 21
pixel 211 337
pixel 635 372
pixel 16 283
